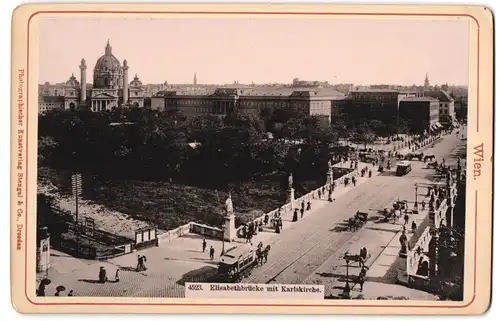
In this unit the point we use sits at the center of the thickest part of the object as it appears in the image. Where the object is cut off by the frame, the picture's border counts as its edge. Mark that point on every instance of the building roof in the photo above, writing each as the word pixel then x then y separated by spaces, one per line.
pixel 191 92
pixel 266 91
pixel 419 99
pixel 375 90
pixel 52 99
pixel 317 92
pixel 439 94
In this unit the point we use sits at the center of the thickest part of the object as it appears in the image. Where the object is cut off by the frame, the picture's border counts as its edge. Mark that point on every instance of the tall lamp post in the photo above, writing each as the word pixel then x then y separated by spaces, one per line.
pixel 223 230
pixel 347 287
pixel 416 193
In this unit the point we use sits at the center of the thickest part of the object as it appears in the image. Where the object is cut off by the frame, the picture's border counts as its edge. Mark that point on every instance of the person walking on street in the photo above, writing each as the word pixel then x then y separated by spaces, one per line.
pixel 212 252
pixel 413 227
pixel 423 205
pixel 308 206
pixel 407 218
pixel 362 277
pixel 204 245
pixel 302 212
pixel 139 263
pixel 295 216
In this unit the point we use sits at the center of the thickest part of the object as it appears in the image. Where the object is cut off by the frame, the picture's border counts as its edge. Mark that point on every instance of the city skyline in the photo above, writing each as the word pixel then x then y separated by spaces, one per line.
pixel 221 51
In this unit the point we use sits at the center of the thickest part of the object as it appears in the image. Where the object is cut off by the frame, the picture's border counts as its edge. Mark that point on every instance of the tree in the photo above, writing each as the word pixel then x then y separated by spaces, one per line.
pixel 364 134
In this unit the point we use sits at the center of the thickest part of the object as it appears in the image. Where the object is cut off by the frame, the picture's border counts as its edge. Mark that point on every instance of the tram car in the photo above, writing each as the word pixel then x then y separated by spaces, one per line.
pixel 236 264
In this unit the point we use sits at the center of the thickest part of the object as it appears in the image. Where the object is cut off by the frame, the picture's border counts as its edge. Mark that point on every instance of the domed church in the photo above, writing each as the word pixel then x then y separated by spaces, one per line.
pixel 110 87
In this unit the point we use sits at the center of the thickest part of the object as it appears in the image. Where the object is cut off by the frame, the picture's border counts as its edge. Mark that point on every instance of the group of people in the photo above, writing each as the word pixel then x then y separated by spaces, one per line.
pixel 303 208
pixel 204 248
pixel 365 170
pixel 42 288
pixel 249 230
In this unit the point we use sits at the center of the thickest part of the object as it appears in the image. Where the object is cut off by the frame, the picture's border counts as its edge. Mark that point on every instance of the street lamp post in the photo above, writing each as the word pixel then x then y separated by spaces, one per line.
pixel 347 288
pixel 223 231
pixel 416 191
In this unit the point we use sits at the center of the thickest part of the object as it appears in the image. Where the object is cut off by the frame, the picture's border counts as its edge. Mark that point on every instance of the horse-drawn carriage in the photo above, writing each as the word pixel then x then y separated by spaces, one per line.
pixel 368 157
pixel 413 155
pixel 400 205
pixel 360 258
pixel 429 157
pixel 357 221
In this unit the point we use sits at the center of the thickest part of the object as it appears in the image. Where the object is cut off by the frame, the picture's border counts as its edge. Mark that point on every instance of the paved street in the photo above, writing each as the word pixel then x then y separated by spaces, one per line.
pixel 309 251
pixel 312 252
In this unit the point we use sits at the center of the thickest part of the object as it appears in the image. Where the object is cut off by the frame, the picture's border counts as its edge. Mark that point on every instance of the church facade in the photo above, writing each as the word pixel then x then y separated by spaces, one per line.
pixel 109 89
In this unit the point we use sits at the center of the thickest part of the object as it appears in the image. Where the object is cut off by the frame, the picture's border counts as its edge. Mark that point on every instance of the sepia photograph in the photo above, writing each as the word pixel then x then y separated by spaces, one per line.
pixel 253 157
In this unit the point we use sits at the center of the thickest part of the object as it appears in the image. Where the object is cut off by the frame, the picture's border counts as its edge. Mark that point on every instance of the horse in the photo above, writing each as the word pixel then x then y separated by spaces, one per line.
pixel 353 258
pixel 429 158
pixel 353 224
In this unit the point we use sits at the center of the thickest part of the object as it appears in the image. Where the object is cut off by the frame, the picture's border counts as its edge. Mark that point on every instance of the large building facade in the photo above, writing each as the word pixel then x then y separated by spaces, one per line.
pixel 248 101
pixel 109 89
pixel 421 114
pixel 446 106
pixel 378 104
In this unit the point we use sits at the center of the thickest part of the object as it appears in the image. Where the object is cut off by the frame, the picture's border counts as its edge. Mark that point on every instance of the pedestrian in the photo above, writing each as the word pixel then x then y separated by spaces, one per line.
pixel 302 212
pixel 354 181
pixel 102 275
pixel 361 277
pixel 277 227
pixel 413 227
pixel 319 194
pixel 370 173
pixel 295 216
pixel 407 218
pixel 144 260
pixel 204 245
pixel 308 206
pixel 423 205
pixel 139 263
pixel 302 205
pixel 212 252
pixel 117 275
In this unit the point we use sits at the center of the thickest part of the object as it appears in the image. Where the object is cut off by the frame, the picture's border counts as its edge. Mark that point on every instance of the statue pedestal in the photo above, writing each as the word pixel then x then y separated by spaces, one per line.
pixel 291 197
pixel 230 228
pixel 401 268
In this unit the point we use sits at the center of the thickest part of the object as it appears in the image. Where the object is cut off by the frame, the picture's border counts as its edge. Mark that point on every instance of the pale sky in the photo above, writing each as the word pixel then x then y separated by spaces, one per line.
pixel 261 50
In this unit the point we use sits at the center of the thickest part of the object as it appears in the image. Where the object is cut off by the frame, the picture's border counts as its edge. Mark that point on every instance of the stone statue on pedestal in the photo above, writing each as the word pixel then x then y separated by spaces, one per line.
pixel 229 206
pixel 290 181
pixel 403 240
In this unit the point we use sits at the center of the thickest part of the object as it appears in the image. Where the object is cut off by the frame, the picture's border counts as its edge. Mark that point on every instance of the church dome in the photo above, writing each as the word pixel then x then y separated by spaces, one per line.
pixel 108 73
pixel 107 62
pixel 136 82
